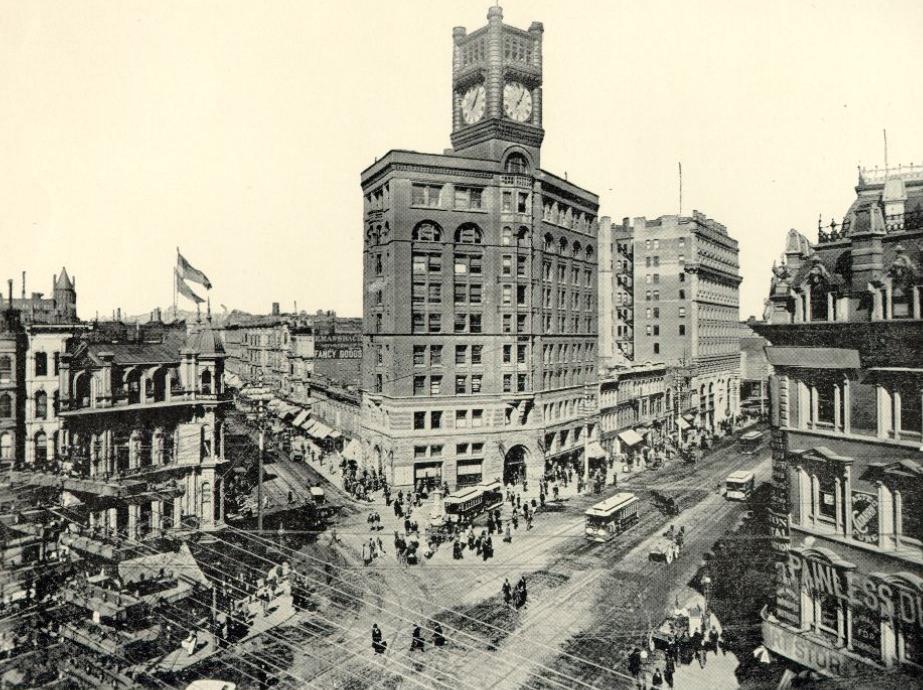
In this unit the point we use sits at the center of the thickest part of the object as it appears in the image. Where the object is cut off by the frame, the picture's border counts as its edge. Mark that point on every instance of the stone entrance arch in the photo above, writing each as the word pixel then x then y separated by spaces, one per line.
pixel 515 464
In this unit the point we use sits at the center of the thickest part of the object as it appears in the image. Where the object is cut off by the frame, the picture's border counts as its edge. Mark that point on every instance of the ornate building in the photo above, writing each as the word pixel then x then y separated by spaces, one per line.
pixel 846 397
pixel 480 285
pixel 674 282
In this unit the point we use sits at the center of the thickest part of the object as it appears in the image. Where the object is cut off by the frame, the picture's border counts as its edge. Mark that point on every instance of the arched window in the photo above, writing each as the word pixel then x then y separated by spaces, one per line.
pixel 506 236
pixel 427 231
pixel 6 369
pixel 469 233
pixel 41 405
pixel 589 252
pixel 206 382
pixel 549 243
pixel 517 164
pixel 819 293
pixel 41 448
pixel 563 243
pixel 6 405
pixel 522 234
pixel 6 446
pixel 576 250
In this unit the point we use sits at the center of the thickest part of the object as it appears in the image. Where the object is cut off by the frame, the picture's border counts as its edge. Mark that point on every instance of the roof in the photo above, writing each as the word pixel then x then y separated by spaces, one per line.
pixel 740 476
pixel 132 352
pixel 813 357
pixel 63 282
pixel 182 564
pixel 620 500
pixel 206 341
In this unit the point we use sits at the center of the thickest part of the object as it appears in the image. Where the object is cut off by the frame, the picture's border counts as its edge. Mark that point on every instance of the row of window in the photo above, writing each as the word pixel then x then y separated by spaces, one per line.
pixel 433 419
pixel 468 233
pixel 40 365
pixel 548 274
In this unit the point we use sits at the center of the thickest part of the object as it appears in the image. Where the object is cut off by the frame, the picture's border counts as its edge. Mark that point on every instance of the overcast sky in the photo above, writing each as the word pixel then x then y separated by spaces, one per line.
pixel 238 130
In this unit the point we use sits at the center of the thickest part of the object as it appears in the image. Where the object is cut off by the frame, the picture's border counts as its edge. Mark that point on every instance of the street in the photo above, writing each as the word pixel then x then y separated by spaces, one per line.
pixel 588 603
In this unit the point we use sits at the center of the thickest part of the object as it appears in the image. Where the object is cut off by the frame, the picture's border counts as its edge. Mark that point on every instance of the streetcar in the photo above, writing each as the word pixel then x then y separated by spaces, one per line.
pixel 611 517
pixel 738 486
pixel 751 441
pixel 466 505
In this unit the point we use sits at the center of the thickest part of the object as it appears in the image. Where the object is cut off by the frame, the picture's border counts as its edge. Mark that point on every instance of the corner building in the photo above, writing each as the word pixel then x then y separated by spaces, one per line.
pixel 846 406
pixel 480 286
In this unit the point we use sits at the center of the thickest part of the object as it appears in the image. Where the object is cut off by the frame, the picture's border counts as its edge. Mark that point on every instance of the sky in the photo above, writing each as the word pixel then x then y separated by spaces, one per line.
pixel 237 130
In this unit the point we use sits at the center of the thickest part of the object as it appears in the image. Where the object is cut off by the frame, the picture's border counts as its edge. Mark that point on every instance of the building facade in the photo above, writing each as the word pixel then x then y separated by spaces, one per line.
pixel 480 285
pixel 142 433
pixel 846 395
pixel 635 410
pixel 675 283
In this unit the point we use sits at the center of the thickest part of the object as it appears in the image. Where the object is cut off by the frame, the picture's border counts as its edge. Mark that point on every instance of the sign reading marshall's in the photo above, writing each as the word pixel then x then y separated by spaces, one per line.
pixel 338 346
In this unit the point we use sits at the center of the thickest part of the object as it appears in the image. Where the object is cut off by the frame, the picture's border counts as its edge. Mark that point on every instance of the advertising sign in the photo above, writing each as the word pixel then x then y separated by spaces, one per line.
pixel 338 346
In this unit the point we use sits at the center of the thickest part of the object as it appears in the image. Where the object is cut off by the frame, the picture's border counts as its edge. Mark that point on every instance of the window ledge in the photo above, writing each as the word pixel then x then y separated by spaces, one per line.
pixel 903 443
pixel 905 553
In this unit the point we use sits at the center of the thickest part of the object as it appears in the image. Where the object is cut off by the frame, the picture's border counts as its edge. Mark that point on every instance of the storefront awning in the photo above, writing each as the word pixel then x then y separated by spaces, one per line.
pixel 320 430
pixel 335 434
pixel 813 357
pixel 630 437
pixel 353 451
pixel 303 415
pixel 682 424
pixel 594 450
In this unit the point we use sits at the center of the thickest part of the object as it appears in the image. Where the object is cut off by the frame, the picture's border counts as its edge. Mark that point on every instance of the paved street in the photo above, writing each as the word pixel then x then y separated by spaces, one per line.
pixel 582 595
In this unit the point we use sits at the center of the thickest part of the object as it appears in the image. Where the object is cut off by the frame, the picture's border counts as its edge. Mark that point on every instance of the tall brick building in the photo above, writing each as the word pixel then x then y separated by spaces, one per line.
pixel 672 286
pixel 480 285
pixel 846 407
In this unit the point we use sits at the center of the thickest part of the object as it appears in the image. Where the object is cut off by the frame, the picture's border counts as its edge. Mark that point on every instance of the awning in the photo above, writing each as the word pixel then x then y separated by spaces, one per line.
pixel 335 434
pixel 320 430
pixel 353 451
pixel 813 357
pixel 594 450
pixel 307 425
pixel 303 415
pixel 682 424
pixel 630 437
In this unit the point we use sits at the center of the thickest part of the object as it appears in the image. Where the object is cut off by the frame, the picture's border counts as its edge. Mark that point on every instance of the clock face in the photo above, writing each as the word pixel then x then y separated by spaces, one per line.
pixel 473 103
pixel 517 101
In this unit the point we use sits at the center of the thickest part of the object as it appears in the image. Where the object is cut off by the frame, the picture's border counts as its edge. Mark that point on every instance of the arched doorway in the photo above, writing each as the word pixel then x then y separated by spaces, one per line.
pixel 514 464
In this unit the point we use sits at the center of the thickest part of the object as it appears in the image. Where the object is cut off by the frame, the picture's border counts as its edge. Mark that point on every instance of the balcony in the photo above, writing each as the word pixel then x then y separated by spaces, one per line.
pixel 70 407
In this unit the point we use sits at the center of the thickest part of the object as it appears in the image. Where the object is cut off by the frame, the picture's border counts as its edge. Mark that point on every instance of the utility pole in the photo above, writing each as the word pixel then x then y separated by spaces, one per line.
pixel 259 478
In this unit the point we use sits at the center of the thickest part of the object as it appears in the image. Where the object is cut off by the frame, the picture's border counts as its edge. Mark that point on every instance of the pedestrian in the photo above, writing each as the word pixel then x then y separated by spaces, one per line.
pixel 416 641
pixel 668 670
pixel 328 573
pixel 634 663
pixel 366 559
pixel 381 546
pixel 555 491
pixel 507 590
pixel 657 679
pixel 515 519
pixel 438 637
pixel 378 644
pixel 488 547
pixel 518 502
pixel 521 588
pixel 713 639
pixel 529 522
pixel 508 537
pixel 541 499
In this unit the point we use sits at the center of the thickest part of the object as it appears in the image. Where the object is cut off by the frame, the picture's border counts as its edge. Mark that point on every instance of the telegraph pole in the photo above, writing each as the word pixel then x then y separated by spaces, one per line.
pixel 259 477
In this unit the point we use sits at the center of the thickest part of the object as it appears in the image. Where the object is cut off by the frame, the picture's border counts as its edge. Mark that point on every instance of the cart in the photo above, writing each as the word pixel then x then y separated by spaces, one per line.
pixel 664 549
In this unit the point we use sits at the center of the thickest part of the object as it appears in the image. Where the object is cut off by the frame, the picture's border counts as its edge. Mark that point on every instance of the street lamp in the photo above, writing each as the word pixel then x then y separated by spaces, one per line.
pixel 706 583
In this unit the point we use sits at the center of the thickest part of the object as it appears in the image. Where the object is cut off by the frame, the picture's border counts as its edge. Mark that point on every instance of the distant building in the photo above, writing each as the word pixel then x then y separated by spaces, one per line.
pixel 479 286
pixel 846 397
pixel 635 410
pixel 754 372
pixel 60 308
pixel 672 297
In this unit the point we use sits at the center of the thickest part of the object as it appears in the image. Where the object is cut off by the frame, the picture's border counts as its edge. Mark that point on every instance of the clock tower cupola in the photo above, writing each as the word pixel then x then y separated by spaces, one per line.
pixel 497 89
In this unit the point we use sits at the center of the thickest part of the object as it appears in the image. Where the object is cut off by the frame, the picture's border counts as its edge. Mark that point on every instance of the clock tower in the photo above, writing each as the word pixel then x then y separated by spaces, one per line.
pixel 497 89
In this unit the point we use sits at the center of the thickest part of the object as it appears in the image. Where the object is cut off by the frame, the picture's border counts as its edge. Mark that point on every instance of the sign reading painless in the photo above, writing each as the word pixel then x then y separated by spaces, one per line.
pixel 338 346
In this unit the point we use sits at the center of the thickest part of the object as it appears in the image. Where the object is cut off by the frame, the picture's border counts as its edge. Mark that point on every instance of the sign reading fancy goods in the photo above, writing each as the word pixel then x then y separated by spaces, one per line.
pixel 338 346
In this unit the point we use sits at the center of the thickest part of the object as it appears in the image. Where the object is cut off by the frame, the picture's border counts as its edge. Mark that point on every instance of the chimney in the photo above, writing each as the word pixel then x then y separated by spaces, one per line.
pixel 10 285
pixel 119 314
pixel 23 284
pixel 275 308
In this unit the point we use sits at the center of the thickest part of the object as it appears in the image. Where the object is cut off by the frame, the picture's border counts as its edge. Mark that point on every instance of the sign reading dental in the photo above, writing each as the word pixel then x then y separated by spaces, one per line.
pixel 338 346
pixel 895 599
